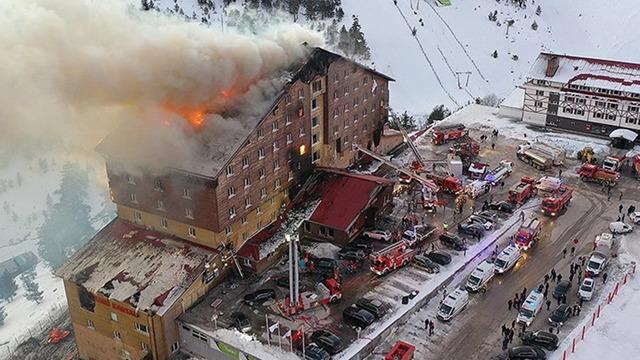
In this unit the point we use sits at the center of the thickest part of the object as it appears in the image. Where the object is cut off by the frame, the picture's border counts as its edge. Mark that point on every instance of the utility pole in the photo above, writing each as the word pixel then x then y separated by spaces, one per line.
pixel 458 73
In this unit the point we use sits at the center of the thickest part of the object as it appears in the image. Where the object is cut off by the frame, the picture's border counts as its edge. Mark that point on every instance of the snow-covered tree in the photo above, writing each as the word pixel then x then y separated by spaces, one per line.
pixel 439 112
pixel 534 26
pixel 360 47
pixel 538 10
pixel 32 290
pixel 495 54
pixel 8 287
pixel 3 315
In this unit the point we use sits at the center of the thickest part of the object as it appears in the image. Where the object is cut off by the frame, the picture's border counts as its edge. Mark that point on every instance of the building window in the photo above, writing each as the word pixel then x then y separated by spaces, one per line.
pixel 274 126
pixel 346 124
pixel 613 106
pixel 188 213
pixel 276 164
pixel 538 104
pixel 598 115
pixel 301 131
pixel 232 212
pixel 144 346
pixel 316 86
pixel 345 108
pixel 287 99
pixel 263 173
pixel 258 212
pixel 245 162
pixel 277 184
pixel 263 193
pixel 302 150
pixel 611 117
pixel 228 230
pixel 335 94
pixel 133 198
pixel 290 175
pixel 633 109
pixel 540 92
pixel 261 153
pixel 117 335
pixel 160 204
pixel 314 122
pixel 114 317
pixel 314 104
pixel 600 103
pixel 192 231
pixel 231 192
pixel 316 156
pixel 301 93
pixel 131 179
pixel 247 182
pixel 142 328
pixel 579 112
pixel 300 112
pixel 247 202
pixel 260 133
pixel 289 139
pixel 243 220
pixel 276 146
pixel 90 324
pixel 157 185
pixel 164 223
pixel 287 119
pixel 186 193
pixel 336 112
pixel 137 216
pixel 314 139
pixel 631 120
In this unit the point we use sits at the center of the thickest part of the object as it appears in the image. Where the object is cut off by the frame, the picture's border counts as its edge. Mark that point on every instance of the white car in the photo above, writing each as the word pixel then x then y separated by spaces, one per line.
pixel 635 217
pixel 618 227
pixel 480 220
pixel 378 235
pixel 587 288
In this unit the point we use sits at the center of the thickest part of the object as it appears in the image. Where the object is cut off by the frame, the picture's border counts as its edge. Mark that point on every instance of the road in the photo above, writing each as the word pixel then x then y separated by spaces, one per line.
pixel 475 333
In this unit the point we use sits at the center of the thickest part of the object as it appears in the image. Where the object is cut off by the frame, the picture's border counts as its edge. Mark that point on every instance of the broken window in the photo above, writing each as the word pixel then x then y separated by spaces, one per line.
pixel 87 299
pixel 316 85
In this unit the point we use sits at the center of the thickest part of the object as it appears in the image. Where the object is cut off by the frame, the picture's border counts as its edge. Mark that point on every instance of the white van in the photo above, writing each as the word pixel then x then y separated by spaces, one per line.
pixel 604 239
pixel 453 304
pixel 530 308
pixel 507 258
pixel 481 276
pixel 549 183
pixel 477 188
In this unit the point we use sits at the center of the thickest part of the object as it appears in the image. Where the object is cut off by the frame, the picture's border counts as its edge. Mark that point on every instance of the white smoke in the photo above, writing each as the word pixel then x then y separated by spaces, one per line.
pixel 72 70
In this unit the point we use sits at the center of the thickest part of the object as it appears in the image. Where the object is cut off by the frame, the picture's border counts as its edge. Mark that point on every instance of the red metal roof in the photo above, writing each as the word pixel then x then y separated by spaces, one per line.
pixel 343 197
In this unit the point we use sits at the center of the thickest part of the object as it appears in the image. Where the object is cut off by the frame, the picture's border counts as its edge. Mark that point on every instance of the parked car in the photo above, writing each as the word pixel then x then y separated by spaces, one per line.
pixel 326 266
pixel 315 352
pixel 328 341
pixel 452 241
pixel 526 352
pixel 560 315
pixel 562 289
pixel 588 286
pixel 357 317
pixel 635 217
pixel 374 306
pixel 241 322
pixel 543 339
pixel 378 235
pixel 618 227
pixel 480 220
pixel 439 257
pixel 260 296
pixel 502 206
pixel 351 254
pixel 361 243
pixel 427 264
pixel 472 229
pixel 490 215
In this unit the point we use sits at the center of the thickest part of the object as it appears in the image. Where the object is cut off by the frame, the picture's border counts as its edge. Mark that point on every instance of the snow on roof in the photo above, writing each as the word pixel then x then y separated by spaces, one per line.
pixel 515 99
pixel 599 73
pixel 128 263
pixel 624 133
pixel 343 197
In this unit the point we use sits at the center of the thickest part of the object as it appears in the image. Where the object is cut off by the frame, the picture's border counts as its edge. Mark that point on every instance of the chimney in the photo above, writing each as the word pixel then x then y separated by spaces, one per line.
pixel 552 66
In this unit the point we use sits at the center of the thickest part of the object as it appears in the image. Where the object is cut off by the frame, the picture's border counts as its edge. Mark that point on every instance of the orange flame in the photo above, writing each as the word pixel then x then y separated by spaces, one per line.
pixel 194 116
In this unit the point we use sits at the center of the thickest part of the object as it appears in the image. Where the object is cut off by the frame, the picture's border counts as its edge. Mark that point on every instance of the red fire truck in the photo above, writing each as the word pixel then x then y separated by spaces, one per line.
pixel 447 132
pixel 594 173
pixel 528 233
pixel 636 166
pixel 401 351
pixel 392 257
pixel 328 292
pixel 466 149
pixel 523 191
pixel 557 202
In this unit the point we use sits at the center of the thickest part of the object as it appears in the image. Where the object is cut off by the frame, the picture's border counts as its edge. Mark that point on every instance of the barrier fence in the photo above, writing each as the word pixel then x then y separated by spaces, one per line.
pixel 571 348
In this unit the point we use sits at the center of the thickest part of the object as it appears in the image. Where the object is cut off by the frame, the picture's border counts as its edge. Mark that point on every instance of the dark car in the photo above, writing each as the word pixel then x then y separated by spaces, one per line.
pixel 544 339
pixel 562 289
pixel 374 306
pixel 260 296
pixel 473 229
pixel 560 315
pixel 358 317
pixel 526 352
pixel 241 322
pixel 326 266
pixel 502 206
pixel 361 243
pixel 328 341
pixel 487 215
pixel 439 257
pixel 426 263
pixel 452 241
pixel 351 254
pixel 315 352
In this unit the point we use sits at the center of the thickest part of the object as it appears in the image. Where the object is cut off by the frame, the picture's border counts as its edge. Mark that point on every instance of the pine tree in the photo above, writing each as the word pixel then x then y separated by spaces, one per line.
pixel 332 33
pixel 360 47
pixel 8 287
pixel 538 10
pixel 439 112
pixel 344 41
pixel 534 26
pixel 32 290
pixel 3 315
pixel 145 5
pixel 67 225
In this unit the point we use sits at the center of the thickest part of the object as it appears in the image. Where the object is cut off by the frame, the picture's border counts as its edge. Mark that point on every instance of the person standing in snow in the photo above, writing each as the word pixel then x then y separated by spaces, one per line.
pixel 510 302
pixel 604 278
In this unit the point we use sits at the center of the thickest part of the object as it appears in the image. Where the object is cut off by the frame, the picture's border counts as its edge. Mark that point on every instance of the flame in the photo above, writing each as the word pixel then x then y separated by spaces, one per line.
pixel 226 93
pixel 195 116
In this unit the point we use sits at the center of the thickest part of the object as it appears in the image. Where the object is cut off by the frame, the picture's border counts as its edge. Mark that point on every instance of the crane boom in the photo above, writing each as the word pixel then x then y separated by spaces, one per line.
pixel 409 142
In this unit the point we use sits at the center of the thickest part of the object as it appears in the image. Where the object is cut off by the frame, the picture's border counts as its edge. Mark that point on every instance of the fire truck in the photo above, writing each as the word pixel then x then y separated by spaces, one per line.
pixel 594 173
pixel 557 202
pixel 528 233
pixel 324 293
pixel 503 170
pixel 466 149
pixel 477 170
pixel 447 132
pixel 391 257
pixel 613 163
pixel 523 191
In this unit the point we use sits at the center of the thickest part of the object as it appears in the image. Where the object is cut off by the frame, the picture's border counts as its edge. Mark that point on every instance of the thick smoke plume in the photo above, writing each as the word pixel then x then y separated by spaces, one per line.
pixel 74 70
